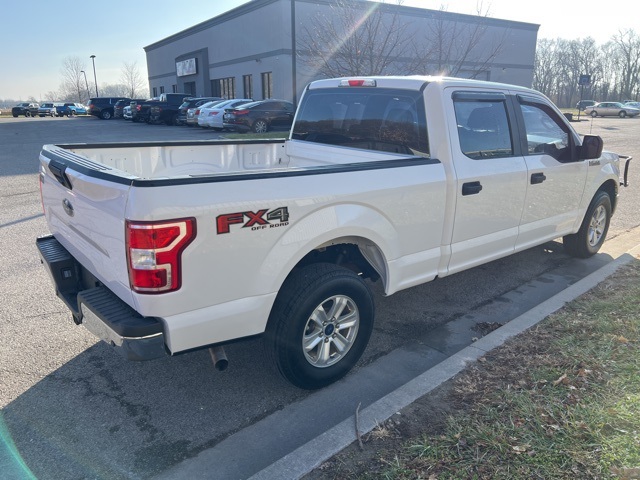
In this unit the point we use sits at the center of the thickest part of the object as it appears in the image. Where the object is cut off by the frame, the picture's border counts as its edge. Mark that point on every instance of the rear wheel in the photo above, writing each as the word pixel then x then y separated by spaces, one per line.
pixel 260 126
pixel 27 113
pixel 593 230
pixel 622 114
pixel 106 115
pixel 320 325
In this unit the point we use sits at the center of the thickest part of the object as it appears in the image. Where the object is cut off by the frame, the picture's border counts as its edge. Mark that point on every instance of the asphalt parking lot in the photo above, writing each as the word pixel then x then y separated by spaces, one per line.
pixel 71 408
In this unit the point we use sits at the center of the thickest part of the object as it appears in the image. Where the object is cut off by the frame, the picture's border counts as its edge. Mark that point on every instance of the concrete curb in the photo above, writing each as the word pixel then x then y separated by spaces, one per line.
pixel 309 456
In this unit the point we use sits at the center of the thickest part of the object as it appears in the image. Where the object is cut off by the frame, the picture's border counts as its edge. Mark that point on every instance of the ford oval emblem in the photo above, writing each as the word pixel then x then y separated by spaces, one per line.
pixel 66 204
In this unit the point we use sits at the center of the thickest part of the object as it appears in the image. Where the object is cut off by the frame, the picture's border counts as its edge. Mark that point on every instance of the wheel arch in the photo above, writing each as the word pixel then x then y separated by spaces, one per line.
pixel 610 187
pixel 359 238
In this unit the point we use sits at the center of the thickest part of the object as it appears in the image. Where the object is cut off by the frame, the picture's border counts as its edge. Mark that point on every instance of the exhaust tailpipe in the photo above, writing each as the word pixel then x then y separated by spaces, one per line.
pixel 219 358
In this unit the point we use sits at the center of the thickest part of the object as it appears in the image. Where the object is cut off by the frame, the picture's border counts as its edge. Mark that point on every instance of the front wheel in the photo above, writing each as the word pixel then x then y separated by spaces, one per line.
pixel 320 325
pixel 27 114
pixel 594 114
pixel 622 114
pixel 593 230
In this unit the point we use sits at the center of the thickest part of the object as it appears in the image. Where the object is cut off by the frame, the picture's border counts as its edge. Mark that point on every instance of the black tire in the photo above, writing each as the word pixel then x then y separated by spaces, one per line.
pixel 15 115
pixel 622 114
pixel 593 113
pixel 105 114
pixel 593 230
pixel 302 301
pixel 260 126
pixel 27 114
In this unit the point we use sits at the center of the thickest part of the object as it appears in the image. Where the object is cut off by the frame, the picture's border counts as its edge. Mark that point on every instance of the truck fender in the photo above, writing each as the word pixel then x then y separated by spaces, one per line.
pixel 374 234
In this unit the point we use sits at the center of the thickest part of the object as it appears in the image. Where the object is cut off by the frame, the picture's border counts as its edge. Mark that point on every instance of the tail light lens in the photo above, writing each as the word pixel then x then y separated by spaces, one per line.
pixel 239 112
pixel 154 252
pixel 213 114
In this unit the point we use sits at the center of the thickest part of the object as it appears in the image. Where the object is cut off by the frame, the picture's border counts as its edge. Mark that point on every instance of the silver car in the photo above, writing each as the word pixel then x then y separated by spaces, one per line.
pixel 610 109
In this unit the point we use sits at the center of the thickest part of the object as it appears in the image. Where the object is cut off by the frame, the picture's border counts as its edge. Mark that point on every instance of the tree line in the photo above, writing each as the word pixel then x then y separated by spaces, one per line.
pixel 614 69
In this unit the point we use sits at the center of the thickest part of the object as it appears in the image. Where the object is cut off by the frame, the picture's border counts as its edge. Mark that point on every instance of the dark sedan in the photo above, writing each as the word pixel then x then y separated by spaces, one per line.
pixel 260 117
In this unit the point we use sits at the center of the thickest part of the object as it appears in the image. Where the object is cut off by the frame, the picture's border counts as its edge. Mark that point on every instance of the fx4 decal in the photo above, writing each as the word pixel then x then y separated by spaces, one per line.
pixel 278 217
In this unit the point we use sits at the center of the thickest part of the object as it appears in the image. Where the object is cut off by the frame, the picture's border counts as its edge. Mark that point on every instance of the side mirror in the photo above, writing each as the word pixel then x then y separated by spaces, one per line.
pixel 591 147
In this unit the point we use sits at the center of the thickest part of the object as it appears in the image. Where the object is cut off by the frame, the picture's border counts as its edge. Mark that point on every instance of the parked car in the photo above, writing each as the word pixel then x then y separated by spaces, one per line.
pixel 102 107
pixel 604 109
pixel 28 109
pixel 192 103
pixel 119 106
pixel 126 112
pixel 211 113
pixel 47 109
pixel 582 104
pixel 632 104
pixel 260 117
pixel 70 109
pixel 140 109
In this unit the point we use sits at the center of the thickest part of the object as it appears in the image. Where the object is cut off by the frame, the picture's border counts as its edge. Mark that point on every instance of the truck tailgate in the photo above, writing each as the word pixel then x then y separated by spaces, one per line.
pixel 86 215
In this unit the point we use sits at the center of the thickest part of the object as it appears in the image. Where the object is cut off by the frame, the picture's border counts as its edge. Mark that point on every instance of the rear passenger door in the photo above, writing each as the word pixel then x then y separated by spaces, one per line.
pixel 491 177
pixel 555 178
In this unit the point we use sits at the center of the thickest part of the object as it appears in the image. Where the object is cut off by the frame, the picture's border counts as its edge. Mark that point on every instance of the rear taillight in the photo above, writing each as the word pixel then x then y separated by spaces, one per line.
pixel 154 252
pixel 240 112
pixel 213 114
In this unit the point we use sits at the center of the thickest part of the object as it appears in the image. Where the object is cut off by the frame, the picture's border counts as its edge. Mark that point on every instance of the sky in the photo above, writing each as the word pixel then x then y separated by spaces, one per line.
pixel 36 35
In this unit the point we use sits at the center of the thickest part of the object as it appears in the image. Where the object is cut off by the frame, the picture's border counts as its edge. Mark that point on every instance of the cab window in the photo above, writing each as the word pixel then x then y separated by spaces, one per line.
pixel 483 125
pixel 546 133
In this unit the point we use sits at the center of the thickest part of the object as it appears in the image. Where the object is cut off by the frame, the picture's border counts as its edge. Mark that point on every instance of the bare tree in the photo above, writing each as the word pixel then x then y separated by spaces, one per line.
pixel 628 60
pixel 72 88
pixel 453 48
pixel 115 90
pixel 132 79
pixel 354 38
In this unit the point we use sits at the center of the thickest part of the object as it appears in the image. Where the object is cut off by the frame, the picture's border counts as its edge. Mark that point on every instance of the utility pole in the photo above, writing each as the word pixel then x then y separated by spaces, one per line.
pixel 93 59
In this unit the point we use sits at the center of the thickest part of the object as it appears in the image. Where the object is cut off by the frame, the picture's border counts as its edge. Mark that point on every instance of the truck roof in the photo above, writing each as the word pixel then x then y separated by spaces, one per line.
pixel 415 82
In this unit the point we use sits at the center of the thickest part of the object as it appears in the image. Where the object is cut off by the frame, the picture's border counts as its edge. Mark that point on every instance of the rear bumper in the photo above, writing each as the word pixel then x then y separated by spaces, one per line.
pixel 98 309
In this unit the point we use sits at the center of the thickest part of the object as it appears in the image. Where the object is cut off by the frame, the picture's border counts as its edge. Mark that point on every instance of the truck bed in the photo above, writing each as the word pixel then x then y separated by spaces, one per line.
pixel 171 159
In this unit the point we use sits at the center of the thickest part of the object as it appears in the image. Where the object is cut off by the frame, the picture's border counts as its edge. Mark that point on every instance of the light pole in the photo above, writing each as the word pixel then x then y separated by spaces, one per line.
pixel 93 59
pixel 86 83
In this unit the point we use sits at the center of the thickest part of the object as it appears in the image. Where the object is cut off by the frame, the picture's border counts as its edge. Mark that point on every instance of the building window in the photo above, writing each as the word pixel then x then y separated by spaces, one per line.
pixel 161 90
pixel 174 88
pixel 190 88
pixel 247 82
pixel 224 87
pixel 267 85
pixel 155 91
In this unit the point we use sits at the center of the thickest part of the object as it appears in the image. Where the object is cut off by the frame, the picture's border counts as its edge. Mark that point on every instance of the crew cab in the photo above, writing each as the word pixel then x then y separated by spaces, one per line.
pixel 163 248
pixel 28 109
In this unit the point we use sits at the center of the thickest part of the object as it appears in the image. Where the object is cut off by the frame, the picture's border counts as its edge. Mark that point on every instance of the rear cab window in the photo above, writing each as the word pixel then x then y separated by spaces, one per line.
pixel 484 130
pixel 380 119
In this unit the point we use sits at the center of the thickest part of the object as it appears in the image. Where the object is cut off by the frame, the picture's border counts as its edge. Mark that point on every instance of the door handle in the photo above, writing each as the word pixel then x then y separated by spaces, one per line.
pixel 471 188
pixel 537 178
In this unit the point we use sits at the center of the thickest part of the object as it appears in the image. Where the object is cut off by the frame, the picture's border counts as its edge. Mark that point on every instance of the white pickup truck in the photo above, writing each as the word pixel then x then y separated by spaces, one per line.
pixel 163 248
